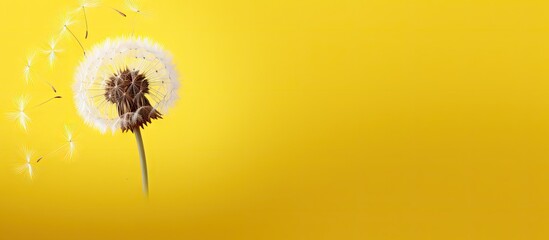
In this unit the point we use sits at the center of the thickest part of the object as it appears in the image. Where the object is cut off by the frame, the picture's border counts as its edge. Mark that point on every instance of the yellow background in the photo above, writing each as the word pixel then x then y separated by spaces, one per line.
pixel 358 119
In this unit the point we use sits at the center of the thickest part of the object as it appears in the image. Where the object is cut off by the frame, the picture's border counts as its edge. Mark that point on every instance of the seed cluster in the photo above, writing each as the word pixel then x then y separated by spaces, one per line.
pixel 127 89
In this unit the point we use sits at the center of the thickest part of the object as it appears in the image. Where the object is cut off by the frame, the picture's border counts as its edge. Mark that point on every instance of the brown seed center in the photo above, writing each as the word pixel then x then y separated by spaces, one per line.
pixel 127 89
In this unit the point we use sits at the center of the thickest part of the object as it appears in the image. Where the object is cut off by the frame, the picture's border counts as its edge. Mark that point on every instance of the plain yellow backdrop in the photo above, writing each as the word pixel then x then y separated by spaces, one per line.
pixel 372 119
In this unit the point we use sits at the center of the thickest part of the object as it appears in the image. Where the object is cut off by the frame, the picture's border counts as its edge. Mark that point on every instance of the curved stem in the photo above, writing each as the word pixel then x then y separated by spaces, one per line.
pixel 78 41
pixel 143 160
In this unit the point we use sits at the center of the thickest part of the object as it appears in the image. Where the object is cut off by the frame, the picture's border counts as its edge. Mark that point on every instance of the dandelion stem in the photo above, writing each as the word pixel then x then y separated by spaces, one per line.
pixel 68 29
pixel 143 160
pixel 86 20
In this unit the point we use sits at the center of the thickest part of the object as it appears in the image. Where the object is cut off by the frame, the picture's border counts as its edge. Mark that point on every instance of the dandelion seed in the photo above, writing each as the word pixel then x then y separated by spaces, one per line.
pixel 52 50
pixel 65 28
pixel 133 6
pixel 27 69
pixel 66 21
pixel 50 153
pixel 51 86
pixel 78 41
pixel 27 166
pixel 119 12
pixel 86 20
pixel 48 100
pixel 20 115
pixel 70 142
pixel 87 4
pixel 125 84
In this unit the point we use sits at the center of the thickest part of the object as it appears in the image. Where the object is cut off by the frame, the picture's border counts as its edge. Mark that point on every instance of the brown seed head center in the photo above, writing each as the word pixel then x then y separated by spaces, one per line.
pixel 127 89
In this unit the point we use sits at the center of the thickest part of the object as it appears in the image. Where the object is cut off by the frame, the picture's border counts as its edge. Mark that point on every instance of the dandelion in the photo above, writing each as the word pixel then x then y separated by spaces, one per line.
pixel 27 69
pixel 20 115
pixel 125 84
pixel 26 167
pixel 52 50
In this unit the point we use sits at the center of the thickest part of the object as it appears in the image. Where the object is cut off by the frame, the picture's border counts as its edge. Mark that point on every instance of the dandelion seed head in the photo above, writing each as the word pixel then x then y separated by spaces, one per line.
pixel 125 84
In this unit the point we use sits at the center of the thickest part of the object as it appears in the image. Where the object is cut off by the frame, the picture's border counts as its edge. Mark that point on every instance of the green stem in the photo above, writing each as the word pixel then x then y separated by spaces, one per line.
pixel 143 160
